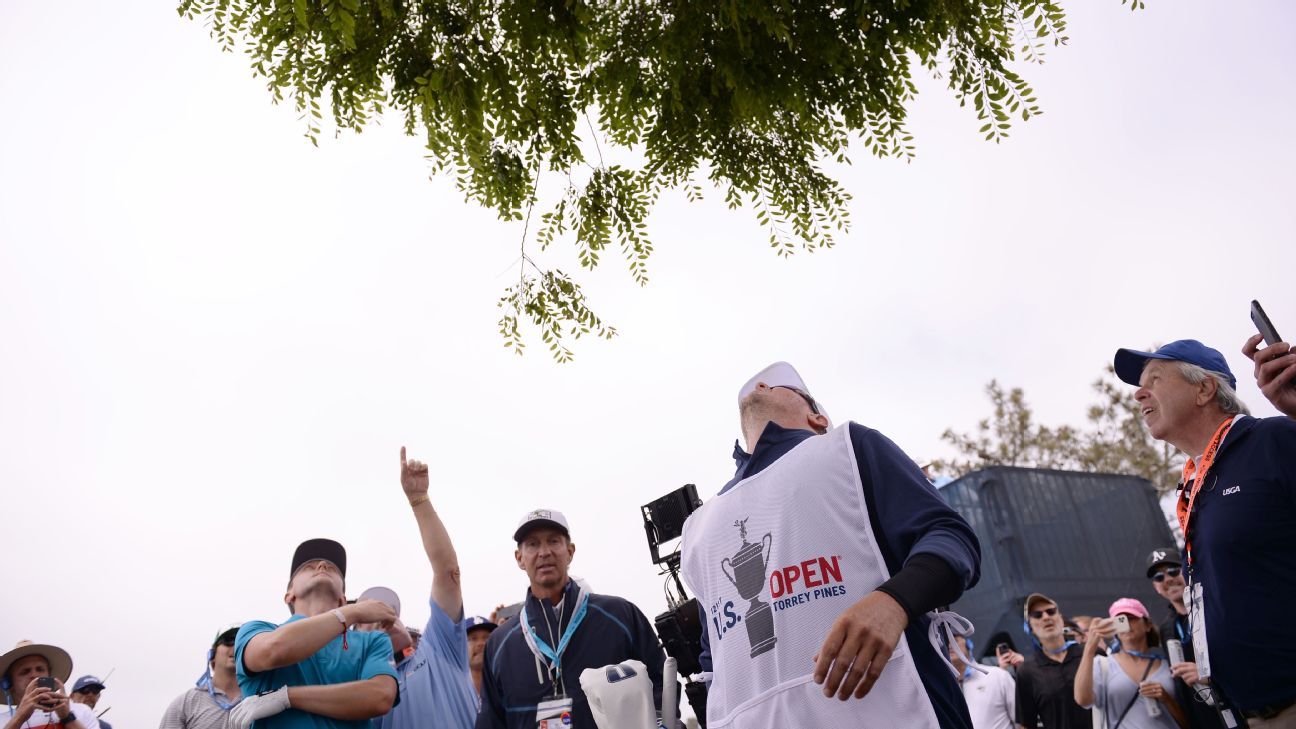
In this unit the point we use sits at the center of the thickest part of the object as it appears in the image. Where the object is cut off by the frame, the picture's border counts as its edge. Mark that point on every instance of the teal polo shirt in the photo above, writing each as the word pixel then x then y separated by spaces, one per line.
pixel 366 655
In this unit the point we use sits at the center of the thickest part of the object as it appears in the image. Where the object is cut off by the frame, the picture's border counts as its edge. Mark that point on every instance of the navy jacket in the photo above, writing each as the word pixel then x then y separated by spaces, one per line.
pixel 1243 538
pixel 614 630
pixel 908 518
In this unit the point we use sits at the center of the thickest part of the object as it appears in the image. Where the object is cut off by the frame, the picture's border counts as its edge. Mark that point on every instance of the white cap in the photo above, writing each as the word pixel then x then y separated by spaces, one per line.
pixel 384 595
pixel 781 374
pixel 541 517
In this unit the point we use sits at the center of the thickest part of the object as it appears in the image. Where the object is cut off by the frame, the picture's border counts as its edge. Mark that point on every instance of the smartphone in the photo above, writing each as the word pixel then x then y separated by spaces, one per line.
pixel 1002 649
pixel 507 612
pixel 47 682
pixel 1122 623
pixel 1262 324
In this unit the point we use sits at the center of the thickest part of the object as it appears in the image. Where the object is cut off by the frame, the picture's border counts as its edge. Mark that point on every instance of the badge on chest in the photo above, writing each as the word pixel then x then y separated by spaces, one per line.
pixel 554 714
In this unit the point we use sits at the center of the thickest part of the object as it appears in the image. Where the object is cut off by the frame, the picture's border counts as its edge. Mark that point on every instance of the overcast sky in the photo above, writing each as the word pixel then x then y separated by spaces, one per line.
pixel 217 336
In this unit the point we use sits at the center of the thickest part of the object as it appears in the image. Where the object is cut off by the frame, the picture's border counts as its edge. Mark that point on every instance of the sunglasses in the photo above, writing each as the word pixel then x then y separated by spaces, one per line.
pixel 1168 572
pixel 1037 614
pixel 814 407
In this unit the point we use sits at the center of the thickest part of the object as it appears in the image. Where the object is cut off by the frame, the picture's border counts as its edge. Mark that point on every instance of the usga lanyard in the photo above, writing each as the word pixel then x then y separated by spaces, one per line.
pixel 1188 497
pixel 541 648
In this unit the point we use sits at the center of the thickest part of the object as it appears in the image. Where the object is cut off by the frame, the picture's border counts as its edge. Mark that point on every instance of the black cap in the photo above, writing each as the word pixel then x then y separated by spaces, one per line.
pixel 313 549
pixel 1164 555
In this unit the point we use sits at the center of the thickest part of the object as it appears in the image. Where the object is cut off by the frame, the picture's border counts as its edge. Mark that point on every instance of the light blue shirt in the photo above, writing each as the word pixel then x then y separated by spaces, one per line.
pixel 366 655
pixel 435 684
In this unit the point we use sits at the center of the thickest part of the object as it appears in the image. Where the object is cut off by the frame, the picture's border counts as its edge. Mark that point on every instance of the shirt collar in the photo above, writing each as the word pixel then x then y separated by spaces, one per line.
pixel 774 441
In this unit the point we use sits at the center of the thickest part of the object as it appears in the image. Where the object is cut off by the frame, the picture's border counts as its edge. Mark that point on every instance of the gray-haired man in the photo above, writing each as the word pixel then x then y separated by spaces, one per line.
pixel 1237 508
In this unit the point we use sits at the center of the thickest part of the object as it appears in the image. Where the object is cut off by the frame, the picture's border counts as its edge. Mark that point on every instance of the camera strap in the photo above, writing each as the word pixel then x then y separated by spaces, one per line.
pixel 553 654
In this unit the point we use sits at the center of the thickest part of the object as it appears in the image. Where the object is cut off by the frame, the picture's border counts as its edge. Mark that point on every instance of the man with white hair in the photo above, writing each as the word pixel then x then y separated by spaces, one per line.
pixel 1237 508
pixel 818 567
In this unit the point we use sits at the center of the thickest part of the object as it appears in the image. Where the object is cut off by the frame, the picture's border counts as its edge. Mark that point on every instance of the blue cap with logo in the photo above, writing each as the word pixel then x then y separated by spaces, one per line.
pixel 1129 363
pixel 86 682
pixel 476 621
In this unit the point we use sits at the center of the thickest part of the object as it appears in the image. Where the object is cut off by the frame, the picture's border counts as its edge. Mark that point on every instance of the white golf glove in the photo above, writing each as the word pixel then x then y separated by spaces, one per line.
pixel 256 707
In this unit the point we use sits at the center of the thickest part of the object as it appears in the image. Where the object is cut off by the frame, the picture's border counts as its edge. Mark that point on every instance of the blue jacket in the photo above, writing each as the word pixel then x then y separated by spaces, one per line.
pixel 614 630
pixel 908 518
pixel 1243 538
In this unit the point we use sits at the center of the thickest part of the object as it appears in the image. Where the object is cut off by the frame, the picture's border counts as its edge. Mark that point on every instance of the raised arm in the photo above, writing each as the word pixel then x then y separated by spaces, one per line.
pixel 446 590
pixel 294 642
pixel 1083 691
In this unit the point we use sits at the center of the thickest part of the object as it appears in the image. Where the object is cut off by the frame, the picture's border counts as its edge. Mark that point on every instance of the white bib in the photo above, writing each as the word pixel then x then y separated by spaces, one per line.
pixel 775 561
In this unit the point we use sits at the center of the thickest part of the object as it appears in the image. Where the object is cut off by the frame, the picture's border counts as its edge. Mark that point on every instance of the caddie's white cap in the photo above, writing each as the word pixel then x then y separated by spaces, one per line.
pixel 782 374
pixel 541 517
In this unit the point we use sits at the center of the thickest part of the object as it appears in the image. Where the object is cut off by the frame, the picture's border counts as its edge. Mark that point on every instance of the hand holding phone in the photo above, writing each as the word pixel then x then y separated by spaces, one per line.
pixel 1122 624
pixel 1275 365
pixel 1263 325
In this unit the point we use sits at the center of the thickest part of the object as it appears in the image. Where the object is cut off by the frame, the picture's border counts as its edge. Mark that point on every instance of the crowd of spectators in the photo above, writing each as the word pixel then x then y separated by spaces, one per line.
pixel 1216 659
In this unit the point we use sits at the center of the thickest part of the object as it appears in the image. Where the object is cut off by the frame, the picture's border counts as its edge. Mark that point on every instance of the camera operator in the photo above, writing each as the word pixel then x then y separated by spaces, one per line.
pixel 850 548
pixel 533 664
pixel 32 675
pixel 1238 514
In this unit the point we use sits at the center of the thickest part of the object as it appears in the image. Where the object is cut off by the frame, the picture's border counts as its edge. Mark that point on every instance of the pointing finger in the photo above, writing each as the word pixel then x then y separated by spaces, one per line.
pixel 402 457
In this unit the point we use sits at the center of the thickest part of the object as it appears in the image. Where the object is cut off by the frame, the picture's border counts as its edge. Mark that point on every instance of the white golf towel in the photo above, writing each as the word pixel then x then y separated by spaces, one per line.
pixel 620 696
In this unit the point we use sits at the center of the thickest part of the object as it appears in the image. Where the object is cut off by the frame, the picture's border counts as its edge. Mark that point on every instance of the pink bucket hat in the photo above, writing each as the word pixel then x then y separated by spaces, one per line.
pixel 1128 606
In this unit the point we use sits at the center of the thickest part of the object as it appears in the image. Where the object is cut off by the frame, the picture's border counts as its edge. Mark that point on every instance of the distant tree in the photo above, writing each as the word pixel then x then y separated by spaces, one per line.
pixel 753 95
pixel 1114 440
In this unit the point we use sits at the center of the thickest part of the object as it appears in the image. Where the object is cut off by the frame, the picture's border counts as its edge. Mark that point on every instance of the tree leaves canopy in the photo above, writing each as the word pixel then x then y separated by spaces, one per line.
pixel 753 95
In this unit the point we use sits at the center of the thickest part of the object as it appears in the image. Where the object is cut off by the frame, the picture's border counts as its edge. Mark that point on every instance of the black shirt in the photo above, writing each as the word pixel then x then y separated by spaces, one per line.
pixel 1046 691
pixel 1200 714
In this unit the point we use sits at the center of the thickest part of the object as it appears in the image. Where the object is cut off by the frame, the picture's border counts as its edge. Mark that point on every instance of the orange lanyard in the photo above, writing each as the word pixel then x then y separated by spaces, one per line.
pixel 1192 486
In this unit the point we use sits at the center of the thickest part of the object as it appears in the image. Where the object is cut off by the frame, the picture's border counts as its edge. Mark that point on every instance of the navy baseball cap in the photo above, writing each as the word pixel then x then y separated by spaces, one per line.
pixel 313 549
pixel 87 682
pixel 1130 362
pixel 477 621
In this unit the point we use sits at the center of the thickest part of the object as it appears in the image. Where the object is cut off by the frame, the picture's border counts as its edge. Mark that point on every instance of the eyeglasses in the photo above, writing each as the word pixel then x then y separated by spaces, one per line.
pixel 1168 572
pixel 814 407
pixel 1037 614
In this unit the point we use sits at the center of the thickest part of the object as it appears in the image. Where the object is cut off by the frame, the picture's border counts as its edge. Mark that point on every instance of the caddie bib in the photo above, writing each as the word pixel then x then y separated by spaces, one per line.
pixel 775 561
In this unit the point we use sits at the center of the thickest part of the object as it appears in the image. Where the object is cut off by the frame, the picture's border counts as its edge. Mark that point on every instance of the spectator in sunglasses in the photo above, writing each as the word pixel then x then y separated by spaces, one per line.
pixel 1165 569
pixel 206 705
pixel 1046 679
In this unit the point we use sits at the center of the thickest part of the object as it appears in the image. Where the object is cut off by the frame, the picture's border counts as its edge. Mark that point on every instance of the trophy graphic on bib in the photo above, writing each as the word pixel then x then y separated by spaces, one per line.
pixel 747 573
